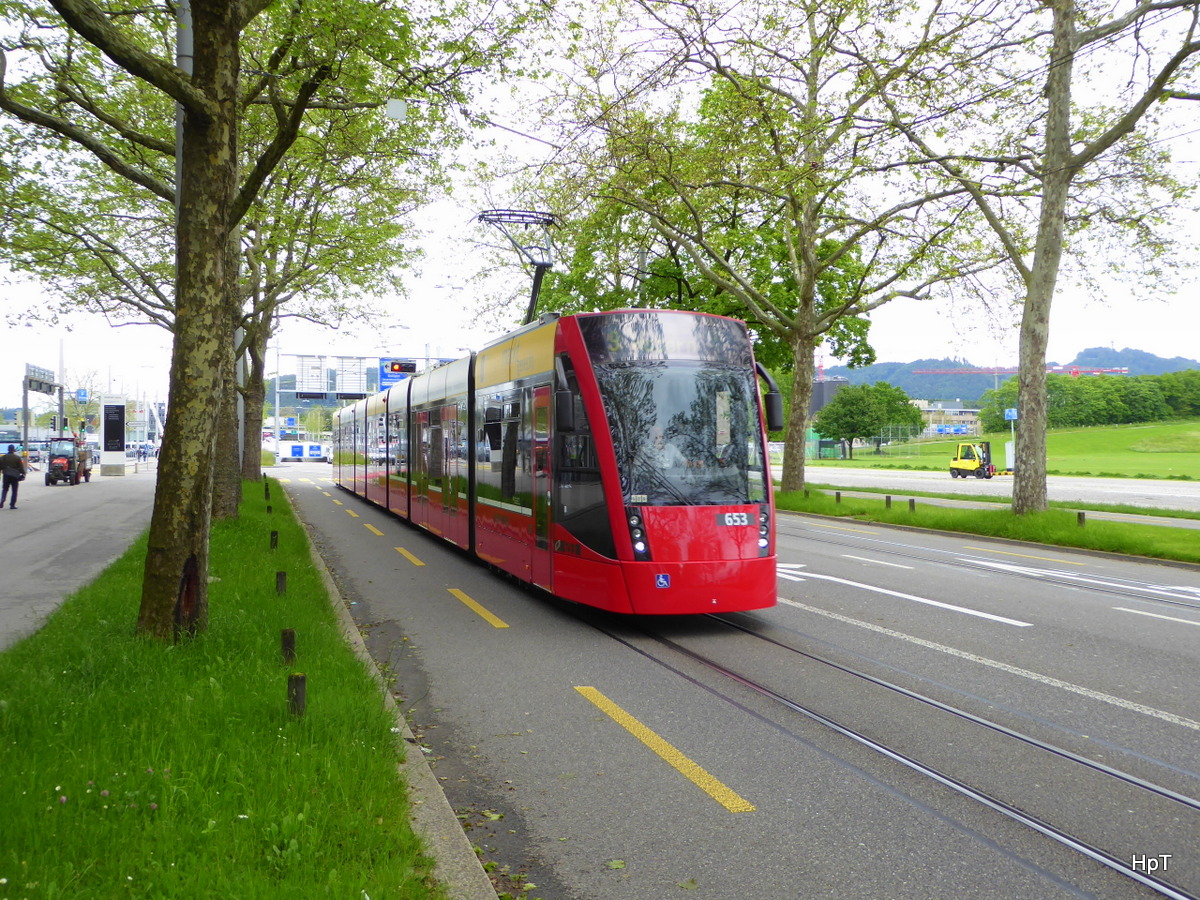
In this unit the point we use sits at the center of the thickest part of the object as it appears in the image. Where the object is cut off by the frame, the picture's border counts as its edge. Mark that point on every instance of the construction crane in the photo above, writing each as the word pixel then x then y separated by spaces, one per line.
pixel 1073 371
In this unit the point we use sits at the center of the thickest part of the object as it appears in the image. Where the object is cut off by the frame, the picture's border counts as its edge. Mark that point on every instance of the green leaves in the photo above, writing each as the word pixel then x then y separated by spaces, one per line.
pixel 862 412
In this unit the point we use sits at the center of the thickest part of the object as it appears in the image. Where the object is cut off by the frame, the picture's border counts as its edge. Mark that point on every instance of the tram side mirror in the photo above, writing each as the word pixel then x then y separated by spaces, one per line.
pixel 773 401
pixel 564 410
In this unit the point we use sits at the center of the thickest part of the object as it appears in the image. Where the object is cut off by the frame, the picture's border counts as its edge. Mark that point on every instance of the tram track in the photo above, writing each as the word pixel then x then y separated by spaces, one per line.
pixel 1046 797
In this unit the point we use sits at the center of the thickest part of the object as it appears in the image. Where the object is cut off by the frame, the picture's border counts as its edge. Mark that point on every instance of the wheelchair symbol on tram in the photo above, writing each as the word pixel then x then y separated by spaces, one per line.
pixel 662 581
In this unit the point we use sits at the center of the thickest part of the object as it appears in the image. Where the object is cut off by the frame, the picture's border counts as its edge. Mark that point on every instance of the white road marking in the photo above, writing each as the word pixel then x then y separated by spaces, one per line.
pixel 1177 591
pixel 961 609
pixel 1005 667
pixel 877 562
pixel 1138 612
pixel 784 570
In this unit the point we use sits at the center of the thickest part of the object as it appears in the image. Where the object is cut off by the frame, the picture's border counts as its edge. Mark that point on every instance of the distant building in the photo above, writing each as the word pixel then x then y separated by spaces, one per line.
pixel 824 391
pixel 946 418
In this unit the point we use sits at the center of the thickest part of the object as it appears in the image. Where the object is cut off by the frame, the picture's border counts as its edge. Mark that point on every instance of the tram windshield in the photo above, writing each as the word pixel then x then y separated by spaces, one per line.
pixel 682 405
pixel 685 433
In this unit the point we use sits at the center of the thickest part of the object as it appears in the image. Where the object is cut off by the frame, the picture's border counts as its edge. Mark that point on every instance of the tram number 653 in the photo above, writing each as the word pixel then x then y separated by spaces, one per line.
pixel 733 518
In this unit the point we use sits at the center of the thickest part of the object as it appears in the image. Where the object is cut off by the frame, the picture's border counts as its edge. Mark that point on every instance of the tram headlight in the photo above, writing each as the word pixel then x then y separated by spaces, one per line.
pixel 637 535
pixel 764 530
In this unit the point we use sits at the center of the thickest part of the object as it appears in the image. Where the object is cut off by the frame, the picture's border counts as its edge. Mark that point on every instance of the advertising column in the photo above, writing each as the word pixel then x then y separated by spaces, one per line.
pixel 112 436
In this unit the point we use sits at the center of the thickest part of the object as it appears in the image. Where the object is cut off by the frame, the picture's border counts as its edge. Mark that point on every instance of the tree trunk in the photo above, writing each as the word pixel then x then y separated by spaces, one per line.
pixel 254 396
pixel 227 476
pixel 227 470
pixel 1029 479
pixel 803 352
pixel 175 583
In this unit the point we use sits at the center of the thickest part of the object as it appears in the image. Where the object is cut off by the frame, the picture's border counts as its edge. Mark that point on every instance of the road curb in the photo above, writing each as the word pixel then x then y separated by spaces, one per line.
pixel 456 865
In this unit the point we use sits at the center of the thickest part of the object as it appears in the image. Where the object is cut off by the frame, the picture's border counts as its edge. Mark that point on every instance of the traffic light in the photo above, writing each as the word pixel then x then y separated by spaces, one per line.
pixel 54 423
pixel 398 367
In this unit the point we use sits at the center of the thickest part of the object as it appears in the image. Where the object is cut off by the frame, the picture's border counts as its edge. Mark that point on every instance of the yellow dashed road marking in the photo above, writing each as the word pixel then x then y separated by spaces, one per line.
pixel 690 770
pixel 412 559
pixel 479 610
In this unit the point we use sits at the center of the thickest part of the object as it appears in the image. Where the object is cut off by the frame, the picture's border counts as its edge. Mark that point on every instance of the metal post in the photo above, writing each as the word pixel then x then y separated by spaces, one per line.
pixel 25 418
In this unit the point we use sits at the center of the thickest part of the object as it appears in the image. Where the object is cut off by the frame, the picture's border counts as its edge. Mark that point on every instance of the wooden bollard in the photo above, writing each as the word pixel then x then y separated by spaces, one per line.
pixel 274 540
pixel 1080 518
pixel 887 501
pixel 281 582
pixel 297 693
pixel 267 490
pixel 837 496
pixel 287 645
pixel 269 510
pixel 912 505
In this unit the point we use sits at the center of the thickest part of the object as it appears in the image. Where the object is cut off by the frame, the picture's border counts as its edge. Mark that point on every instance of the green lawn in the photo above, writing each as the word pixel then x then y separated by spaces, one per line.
pixel 131 768
pixel 1166 450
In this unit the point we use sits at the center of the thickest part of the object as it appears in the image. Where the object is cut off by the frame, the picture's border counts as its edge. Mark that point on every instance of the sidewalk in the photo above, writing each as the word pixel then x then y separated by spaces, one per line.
pixel 60 537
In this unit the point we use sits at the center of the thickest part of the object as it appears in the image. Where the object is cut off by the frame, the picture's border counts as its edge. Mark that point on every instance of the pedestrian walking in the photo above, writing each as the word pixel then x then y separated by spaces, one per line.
pixel 13 469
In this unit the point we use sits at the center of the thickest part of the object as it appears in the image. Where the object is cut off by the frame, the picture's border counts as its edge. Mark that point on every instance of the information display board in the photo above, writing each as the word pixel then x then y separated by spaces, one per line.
pixel 114 427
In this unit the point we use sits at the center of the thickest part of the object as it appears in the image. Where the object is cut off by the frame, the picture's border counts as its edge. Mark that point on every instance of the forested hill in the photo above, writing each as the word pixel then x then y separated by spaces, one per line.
pixel 967 389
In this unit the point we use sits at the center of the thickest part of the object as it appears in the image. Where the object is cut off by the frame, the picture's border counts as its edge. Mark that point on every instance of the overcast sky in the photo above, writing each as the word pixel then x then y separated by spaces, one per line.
pixel 440 321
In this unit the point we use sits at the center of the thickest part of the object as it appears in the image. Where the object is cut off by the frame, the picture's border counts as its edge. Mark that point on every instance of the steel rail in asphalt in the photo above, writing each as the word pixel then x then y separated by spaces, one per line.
pixel 1006 809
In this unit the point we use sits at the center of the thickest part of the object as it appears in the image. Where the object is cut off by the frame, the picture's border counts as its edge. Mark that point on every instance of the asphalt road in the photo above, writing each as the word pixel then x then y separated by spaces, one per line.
pixel 613 758
pixel 1183 495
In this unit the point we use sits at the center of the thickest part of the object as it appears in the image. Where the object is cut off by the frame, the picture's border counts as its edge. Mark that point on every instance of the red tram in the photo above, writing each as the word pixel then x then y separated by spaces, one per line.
pixel 614 459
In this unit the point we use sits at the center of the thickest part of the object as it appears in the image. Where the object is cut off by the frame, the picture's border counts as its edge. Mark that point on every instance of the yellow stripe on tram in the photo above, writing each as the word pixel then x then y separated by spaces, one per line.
pixel 690 770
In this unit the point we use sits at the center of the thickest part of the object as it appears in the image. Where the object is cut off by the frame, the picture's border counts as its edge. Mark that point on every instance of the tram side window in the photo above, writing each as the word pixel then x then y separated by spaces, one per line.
pixel 398 443
pixel 437 459
pixel 581 507
pixel 502 449
pixel 377 446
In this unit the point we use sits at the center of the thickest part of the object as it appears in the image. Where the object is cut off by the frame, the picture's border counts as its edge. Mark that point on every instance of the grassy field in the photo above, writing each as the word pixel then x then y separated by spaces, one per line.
pixel 134 769
pixel 1167 450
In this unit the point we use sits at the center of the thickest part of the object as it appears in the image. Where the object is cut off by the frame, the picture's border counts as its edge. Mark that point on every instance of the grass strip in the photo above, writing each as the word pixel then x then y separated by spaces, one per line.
pixel 130 768
pixel 1054 526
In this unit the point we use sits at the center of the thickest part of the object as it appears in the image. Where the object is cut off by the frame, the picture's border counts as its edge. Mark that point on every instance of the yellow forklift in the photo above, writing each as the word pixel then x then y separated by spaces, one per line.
pixel 973 459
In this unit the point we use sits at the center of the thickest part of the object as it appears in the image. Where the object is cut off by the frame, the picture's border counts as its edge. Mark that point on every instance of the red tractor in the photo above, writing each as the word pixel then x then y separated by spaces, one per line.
pixel 68 461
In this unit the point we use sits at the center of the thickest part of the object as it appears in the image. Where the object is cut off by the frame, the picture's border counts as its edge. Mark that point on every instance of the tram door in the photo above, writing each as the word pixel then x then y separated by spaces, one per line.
pixel 541 567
